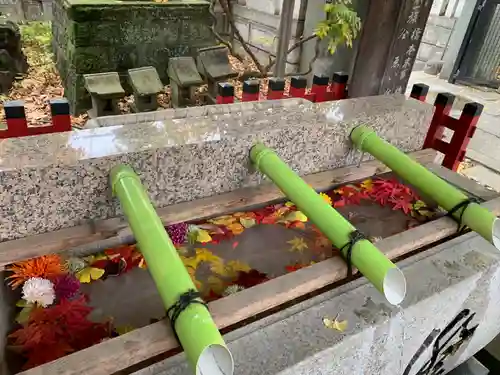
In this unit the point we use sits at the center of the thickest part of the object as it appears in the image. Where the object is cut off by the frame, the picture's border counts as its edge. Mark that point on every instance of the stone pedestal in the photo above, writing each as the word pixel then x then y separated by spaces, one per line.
pixel 114 36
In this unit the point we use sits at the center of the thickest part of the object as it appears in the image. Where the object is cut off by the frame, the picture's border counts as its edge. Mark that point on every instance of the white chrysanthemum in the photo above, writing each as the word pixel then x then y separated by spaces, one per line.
pixel 40 291
pixel 232 289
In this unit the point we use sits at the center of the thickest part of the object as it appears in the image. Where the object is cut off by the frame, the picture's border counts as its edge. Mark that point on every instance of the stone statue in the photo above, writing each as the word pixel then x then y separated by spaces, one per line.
pixel 12 59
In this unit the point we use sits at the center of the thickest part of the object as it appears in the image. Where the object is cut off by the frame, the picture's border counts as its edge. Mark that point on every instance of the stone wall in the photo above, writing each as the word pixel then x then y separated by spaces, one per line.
pixel 435 40
pixel 110 35
pixel 26 10
pixel 258 22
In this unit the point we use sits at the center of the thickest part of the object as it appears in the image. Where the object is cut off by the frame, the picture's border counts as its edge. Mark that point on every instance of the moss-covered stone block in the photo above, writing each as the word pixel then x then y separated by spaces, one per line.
pixel 97 36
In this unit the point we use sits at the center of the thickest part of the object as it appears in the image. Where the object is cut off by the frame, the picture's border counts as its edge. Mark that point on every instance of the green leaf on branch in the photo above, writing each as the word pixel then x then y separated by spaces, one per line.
pixel 341 25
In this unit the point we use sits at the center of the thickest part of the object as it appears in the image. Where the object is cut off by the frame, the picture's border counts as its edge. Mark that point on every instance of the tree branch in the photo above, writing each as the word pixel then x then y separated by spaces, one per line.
pixel 236 32
pixel 218 37
pixel 291 49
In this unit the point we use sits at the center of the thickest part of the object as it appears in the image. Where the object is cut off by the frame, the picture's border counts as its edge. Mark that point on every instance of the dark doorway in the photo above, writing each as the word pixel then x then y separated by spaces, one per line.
pixel 479 57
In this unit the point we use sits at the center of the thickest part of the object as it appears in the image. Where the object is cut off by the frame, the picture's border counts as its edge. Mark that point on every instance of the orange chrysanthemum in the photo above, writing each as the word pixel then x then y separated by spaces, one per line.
pixel 47 266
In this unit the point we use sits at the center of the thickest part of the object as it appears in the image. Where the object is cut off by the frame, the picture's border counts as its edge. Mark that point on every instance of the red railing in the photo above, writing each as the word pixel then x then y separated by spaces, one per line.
pixel 17 126
pixel 463 127
pixel 322 89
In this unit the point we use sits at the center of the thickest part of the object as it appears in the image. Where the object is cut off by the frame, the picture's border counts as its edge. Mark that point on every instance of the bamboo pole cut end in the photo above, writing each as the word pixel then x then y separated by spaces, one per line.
pixel 215 360
pixel 394 286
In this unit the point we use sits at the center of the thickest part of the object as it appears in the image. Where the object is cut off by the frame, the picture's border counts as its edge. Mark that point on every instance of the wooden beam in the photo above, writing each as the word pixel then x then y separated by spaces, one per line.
pixel 116 228
pixel 122 352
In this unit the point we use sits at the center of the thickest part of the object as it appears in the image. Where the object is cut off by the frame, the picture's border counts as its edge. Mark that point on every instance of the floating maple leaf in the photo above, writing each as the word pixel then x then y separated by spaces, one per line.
pixel 298 244
pixel 250 278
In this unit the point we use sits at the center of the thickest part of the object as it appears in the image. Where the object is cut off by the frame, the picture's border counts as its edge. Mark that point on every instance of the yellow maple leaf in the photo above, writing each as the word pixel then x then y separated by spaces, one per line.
pixel 236 228
pixel 295 216
pixel 240 214
pixel 216 284
pixel 367 184
pixel 124 329
pixel 289 204
pixel 335 324
pixel 234 266
pixel 190 262
pixel 225 220
pixel 326 198
pixel 205 255
pixel 89 274
pixel 203 236
pixel 247 222
pixel 298 244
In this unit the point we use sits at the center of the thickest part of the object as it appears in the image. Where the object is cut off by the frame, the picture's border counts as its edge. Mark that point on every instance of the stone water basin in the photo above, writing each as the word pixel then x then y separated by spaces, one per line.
pixel 223 255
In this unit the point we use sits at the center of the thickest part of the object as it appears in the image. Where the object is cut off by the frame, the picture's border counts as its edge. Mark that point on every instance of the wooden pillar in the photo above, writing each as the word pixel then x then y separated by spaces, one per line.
pixel 388 46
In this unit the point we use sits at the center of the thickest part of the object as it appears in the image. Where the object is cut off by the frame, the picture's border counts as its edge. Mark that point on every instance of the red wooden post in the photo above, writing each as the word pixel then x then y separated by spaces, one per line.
pixel 338 87
pixel 464 129
pixel 320 88
pixel 276 88
pixel 298 87
pixel 15 116
pixel 61 120
pixel 419 91
pixel 225 93
pixel 251 91
pixel 443 104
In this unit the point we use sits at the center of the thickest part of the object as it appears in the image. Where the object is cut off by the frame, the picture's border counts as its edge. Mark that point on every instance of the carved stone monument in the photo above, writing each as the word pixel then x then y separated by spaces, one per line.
pixel 101 36
pixel 12 59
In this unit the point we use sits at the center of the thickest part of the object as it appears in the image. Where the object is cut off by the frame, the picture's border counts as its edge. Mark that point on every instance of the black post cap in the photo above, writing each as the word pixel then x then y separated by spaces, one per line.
pixel 321 80
pixel 59 107
pixel 444 99
pixel 419 89
pixel 276 84
pixel 473 109
pixel 251 86
pixel 226 89
pixel 298 82
pixel 340 77
pixel 14 109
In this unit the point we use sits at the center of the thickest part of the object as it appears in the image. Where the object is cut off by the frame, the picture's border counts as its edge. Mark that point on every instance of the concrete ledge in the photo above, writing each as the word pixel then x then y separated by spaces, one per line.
pixel 380 339
pixel 60 180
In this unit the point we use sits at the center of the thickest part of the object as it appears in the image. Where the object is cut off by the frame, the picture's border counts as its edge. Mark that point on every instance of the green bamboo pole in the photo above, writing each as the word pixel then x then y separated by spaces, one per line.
pixel 198 335
pixel 374 265
pixel 475 216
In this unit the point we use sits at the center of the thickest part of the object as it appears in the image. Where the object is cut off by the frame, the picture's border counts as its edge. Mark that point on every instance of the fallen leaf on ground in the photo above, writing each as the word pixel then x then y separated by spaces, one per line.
pixel 335 324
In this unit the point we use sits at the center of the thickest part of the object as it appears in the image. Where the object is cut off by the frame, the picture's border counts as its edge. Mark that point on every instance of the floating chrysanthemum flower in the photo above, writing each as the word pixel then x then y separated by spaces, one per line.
pixel 66 286
pixel 178 233
pixel 47 266
pixel 40 291
pixel 232 289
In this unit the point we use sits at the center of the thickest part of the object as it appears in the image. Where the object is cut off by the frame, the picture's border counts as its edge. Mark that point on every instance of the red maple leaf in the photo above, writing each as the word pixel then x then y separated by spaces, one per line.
pixel 339 203
pixel 46 353
pixel 295 267
pixel 250 278
pixel 402 203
